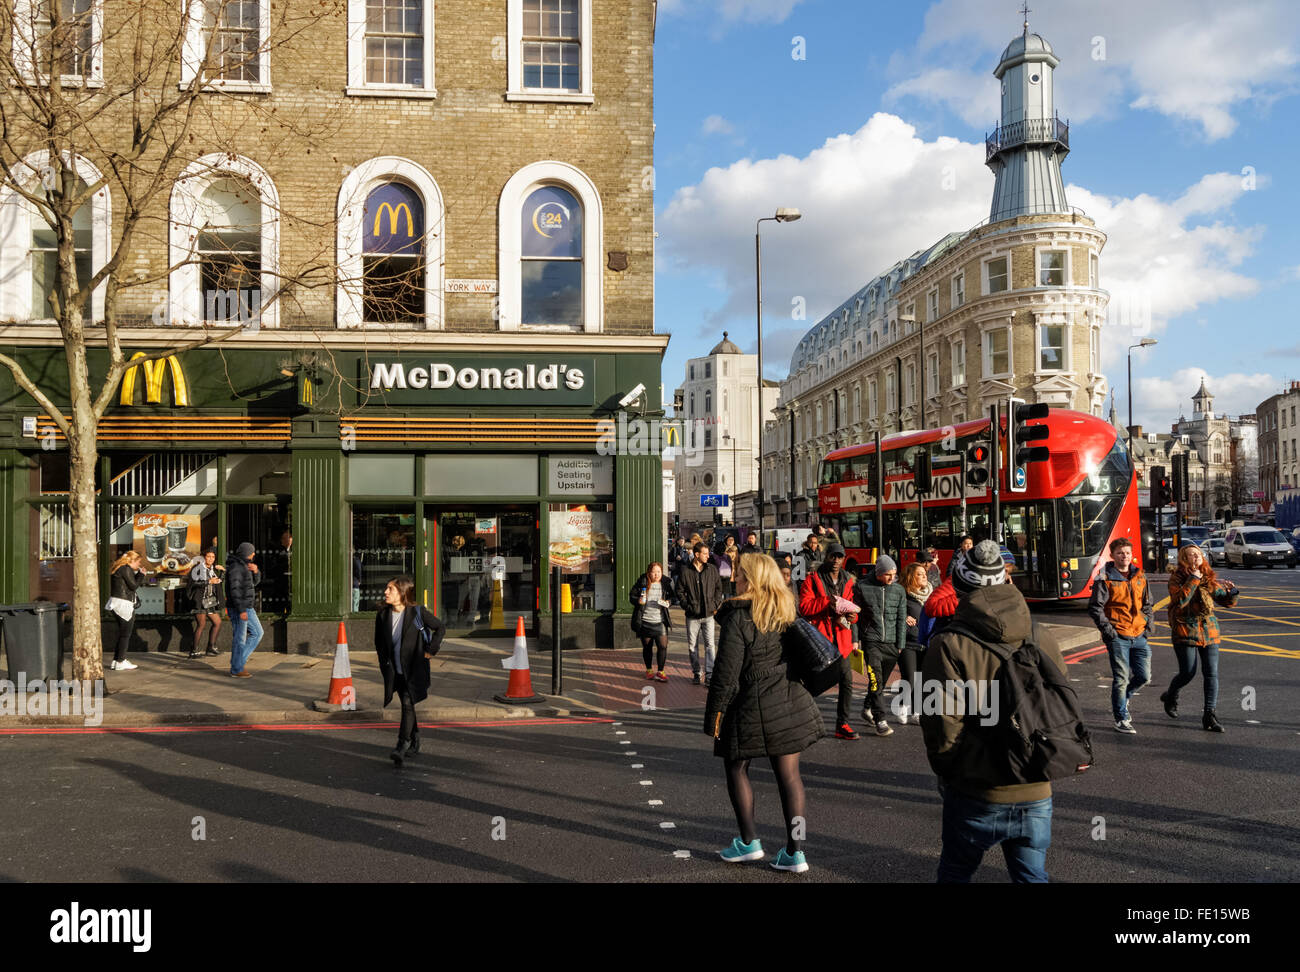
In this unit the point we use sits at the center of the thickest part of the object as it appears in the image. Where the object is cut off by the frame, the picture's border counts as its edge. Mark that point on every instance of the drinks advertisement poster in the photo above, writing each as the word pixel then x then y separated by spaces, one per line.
pixel 168 542
pixel 579 538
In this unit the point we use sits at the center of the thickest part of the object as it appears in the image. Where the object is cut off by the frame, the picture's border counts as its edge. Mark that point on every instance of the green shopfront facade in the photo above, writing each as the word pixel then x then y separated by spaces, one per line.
pixel 469 467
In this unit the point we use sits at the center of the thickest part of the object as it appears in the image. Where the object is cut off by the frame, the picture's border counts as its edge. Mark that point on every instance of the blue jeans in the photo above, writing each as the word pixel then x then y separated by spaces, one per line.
pixel 1186 654
pixel 970 827
pixel 244 637
pixel 1130 665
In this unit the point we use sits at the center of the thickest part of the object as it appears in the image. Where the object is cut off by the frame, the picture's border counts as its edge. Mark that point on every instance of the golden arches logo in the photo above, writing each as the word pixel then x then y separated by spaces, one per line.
pixel 154 373
pixel 393 216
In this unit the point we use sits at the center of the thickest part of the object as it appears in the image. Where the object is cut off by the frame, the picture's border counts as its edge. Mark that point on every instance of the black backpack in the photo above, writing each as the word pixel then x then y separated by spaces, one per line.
pixel 1040 724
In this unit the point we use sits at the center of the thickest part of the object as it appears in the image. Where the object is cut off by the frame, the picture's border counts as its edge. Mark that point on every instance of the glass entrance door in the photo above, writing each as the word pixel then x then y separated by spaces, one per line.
pixel 486 573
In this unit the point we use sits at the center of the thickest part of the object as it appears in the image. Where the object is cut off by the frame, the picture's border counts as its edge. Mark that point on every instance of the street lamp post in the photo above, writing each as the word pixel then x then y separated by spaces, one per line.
pixel 784 214
pixel 1144 343
pixel 727 437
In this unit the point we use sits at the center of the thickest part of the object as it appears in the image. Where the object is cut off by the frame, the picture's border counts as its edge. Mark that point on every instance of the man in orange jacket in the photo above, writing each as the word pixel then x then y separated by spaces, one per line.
pixel 1121 608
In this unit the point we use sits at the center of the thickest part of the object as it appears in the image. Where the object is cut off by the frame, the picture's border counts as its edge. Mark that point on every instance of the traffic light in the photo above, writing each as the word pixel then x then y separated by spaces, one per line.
pixel 921 473
pixel 1180 485
pixel 1162 493
pixel 977 464
pixel 1019 453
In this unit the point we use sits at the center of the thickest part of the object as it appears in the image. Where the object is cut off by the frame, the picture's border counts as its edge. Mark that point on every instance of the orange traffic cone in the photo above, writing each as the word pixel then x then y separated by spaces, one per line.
pixel 341 694
pixel 520 687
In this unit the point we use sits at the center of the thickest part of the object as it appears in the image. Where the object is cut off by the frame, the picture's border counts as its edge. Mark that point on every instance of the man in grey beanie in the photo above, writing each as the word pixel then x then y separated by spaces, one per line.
pixel 242 578
pixel 882 634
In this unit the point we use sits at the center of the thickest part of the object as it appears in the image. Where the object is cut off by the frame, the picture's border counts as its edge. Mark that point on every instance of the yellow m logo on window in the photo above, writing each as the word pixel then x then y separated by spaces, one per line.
pixel 154 373
pixel 393 216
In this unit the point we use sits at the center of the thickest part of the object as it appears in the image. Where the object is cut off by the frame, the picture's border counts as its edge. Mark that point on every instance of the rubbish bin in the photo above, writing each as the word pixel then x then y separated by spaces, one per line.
pixel 33 640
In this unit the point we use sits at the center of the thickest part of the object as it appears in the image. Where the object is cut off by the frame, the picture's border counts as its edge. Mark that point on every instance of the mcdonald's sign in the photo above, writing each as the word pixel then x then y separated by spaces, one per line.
pixel 154 373
pixel 393 221
pixel 394 215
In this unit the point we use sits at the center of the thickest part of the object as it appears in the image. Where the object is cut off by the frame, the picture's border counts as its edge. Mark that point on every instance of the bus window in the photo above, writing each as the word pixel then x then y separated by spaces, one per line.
pixel 851 530
pixel 911 529
pixel 939 527
pixel 893 532
pixel 864 468
pixel 1086 522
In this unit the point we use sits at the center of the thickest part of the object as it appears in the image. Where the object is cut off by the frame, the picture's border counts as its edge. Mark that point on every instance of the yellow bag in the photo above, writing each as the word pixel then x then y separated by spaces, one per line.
pixel 858 660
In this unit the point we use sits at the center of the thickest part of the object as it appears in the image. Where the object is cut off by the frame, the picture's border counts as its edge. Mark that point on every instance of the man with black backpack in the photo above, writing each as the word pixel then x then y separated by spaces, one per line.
pixel 995 759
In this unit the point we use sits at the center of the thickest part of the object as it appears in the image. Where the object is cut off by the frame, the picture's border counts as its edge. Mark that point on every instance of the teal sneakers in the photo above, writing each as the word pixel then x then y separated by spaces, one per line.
pixel 740 851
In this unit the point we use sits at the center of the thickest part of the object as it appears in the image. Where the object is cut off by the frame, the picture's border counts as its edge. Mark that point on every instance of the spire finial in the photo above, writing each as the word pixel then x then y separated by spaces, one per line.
pixel 724 335
pixel 1025 12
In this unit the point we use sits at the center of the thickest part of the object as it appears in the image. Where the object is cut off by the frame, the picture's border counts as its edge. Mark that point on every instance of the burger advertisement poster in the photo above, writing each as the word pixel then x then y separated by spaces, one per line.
pixel 168 542
pixel 580 538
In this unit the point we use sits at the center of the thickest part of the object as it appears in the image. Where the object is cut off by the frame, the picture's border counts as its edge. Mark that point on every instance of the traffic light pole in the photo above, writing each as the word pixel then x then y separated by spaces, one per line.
pixel 879 497
pixel 995 473
pixel 964 528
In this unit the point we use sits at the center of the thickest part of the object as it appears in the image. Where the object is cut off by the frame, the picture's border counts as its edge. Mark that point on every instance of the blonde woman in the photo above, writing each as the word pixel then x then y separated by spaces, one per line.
pixel 127 574
pixel 916 584
pixel 754 709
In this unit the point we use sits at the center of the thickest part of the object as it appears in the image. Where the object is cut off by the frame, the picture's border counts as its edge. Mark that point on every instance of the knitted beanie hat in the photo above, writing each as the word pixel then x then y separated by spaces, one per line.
pixel 981 567
pixel 884 564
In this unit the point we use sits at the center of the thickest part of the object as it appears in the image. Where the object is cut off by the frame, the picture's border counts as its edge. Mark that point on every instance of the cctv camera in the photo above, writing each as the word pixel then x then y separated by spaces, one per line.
pixel 632 396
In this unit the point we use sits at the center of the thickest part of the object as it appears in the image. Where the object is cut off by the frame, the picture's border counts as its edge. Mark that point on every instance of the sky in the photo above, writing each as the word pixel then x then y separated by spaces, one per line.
pixel 870 118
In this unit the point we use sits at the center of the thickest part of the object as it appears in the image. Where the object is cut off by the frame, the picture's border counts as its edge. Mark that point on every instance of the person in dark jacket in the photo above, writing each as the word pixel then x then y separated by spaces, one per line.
pixel 242 578
pixel 1121 608
pixel 404 653
pixel 983 804
pixel 651 597
pixel 882 634
pixel 699 592
pixel 127 574
pixel 755 709
pixel 826 602
pixel 916 585
pixel 204 592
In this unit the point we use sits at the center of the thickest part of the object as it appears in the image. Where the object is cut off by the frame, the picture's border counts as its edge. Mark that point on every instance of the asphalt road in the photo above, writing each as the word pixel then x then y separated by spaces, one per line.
pixel 642 798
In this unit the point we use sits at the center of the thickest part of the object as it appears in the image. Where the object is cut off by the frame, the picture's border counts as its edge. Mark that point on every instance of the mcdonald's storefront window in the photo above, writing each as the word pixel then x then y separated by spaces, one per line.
pixel 393 256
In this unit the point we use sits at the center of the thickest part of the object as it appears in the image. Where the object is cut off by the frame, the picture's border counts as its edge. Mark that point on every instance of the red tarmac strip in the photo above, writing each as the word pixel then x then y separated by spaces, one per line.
pixel 295 727
pixel 1079 656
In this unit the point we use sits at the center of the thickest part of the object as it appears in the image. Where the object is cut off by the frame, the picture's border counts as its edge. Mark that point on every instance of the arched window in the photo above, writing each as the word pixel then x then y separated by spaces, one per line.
pixel 708 403
pixel 391 246
pixel 550 227
pixel 223 243
pixel 725 411
pixel 27 242
pixel 392 255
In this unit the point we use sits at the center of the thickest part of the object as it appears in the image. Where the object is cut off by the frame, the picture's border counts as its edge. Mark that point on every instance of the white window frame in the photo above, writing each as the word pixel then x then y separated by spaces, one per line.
pixel 1066 361
pixel 184 302
pixel 515 90
pixel 350 289
pixel 357 84
pixel 872 392
pixel 510 244
pixel 1094 348
pixel 958 290
pixel 1094 271
pixel 17 215
pixel 857 402
pixel 24 48
pixel 891 393
pixel 984 273
pixel 932 375
pixel 708 402
pixel 193 53
pixel 1039 252
pixel 932 306
pixel 986 341
pixel 958 352
pixel 909 383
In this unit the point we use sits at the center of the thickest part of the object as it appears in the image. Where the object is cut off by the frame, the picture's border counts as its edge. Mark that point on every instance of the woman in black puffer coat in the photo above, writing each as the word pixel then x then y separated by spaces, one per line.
pixel 755 709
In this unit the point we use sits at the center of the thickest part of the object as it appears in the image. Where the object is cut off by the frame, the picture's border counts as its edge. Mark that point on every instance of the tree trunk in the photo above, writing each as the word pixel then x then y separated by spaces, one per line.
pixel 87 658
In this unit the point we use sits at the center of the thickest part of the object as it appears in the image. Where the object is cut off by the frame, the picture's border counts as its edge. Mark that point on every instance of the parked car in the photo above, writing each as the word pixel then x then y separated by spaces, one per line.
pixel 1251 546
pixel 1213 550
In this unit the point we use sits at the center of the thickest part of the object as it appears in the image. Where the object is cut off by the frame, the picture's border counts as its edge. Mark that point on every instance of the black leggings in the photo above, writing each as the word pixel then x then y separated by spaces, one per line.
pixel 909 663
pixel 123 638
pixel 648 645
pixel 409 729
pixel 790 786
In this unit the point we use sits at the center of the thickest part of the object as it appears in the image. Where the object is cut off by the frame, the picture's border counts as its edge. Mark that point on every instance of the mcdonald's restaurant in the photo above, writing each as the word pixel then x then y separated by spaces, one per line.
pixel 472 463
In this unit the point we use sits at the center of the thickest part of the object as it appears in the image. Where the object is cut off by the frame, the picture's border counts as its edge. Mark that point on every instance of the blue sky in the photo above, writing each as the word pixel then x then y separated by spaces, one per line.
pixel 1183 125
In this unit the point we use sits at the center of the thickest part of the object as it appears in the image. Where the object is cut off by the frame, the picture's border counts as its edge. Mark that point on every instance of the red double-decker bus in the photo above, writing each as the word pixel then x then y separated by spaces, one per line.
pixel 1073 505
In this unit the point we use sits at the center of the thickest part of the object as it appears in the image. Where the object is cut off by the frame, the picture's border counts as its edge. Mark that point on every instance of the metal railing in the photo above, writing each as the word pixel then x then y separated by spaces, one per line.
pixel 1025 131
pixel 156 474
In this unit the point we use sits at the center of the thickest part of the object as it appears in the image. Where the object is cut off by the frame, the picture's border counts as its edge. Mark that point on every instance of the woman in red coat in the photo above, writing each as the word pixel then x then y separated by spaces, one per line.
pixel 826 602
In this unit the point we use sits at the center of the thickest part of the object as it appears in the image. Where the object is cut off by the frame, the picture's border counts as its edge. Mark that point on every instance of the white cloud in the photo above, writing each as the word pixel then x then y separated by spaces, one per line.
pixel 1198 61
pixel 868 199
pixel 747 11
pixel 877 195
pixel 1159 402
pixel 717 125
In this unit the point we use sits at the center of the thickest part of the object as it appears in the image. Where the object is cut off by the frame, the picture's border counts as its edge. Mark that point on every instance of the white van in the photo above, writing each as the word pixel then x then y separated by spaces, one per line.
pixel 1250 546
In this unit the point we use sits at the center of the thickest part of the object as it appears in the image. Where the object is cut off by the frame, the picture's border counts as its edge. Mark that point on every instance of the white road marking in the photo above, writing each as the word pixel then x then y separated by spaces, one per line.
pixel 647 782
